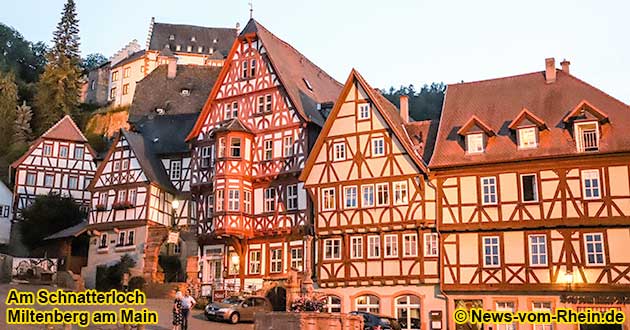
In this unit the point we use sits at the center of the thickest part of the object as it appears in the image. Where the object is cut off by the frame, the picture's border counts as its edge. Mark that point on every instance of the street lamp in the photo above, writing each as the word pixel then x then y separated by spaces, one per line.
pixel 174 207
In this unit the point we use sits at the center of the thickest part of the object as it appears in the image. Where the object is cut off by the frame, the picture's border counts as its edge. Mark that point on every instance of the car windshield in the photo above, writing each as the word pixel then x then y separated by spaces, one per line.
pixel 233 300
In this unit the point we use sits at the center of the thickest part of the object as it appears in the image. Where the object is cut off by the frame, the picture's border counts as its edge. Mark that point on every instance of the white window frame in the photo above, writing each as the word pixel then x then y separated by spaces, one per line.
pixel 132 196
pixel 390 248
pixel 542 306
pixel 475 143
pixel 535 187
pixel 254 261
pixel 77 154
pixel 66 151
pixel 47 149
pixel 374 246
pixel 52 182
pixel 597 240
pixel 247 201
pixel 297 258
pixel 431 245
pixel 369 306
pixel 74 179
pixel 579 129
pixel 488 241
pixel 590 176
pixel 489 182
pixel 268 149
pixel 176 169
pixel 205 157
pixel 378 146
pixel 505 306
pixel 410 245
pixel 268 103
pixel 261 104
pixel 275 260
pixel 328 199
pixel 350 197
pixel 339 151
pixel 131 237
pixel 367 195
pixel 270 199
pixel 219 200
pixel 234 200
pixel 401 194
pixel 292 197
pixel 527 137
pixel 536 242
pixel 333 304
pixel 29 176
pixel 384 192
pixel 356 247
pixel 288 146
pixel 364 111
pixel 332 249
pixel 103 242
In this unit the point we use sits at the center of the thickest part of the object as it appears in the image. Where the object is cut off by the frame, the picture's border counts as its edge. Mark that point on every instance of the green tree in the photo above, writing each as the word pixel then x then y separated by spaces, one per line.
pixel 92 61
pixel 423 105
pixel 47 215
pixel 22 125
pixel 8 103
pixel 59 86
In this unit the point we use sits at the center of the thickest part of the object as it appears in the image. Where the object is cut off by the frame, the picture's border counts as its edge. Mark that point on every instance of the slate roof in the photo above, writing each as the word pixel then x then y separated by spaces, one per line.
pixel 182 33
pixel 233 125
pixel 498 102
pixel 72 231
pixel 156 90
pixel 166 134
pixel 149 162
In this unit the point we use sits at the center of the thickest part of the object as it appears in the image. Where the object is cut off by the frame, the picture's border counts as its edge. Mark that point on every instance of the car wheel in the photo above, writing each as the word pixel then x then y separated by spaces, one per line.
pixel 234 318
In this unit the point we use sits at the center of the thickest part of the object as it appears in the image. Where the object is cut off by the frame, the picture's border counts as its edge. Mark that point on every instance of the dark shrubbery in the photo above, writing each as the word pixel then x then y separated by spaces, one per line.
pixel 110 277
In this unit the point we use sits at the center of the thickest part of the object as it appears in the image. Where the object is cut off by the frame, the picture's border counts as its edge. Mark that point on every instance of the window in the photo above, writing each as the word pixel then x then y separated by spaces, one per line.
pixel 245 69
pixel 221 147
pixel 200 49
pixel 296 258
pixel 115 76
pixel 189 48
pixel 391 246
pixel 133 193
pixel 31 179
pixel 587 136
pixel 103 241
pixel 178 48
pixel 49 180
pixel 185 92
pixel 234 109
pixel 235 147
pixel 367 197
pixel 268 102
pixel 368 303
pixel 328 199
pixel 121 238
pixel 505 306
pixel 374 246
pixel 131 237
pixel 261 104
pixel 5 211
pixel 408 312
pixel 270 199
pixel 78 152
pixel 288 146
pixel 378 147
pixel 176 169
pixel 332 249
pixel 268 150
pixel 400 193
pixel 474 143
pixel 356 247
pixel 210 206
pixel 234 199
pixel 122 196
pixel 112 93
pixel 410 245
pixel 247 201
pixel 63 151
pixel 47 149
pixel 382 194
pixel 171 37
pixel 254 262
pixel 125 89
pixel 205 157
pixel 126 72
pixel 594 244
pixel 527 138
pixel 276 260
pixel 292 197
pixel 350 197
pixel 529 188
pixel 491 251
pixel 364 111
pixel 116 165
pixel 73 182
pixel 219 207
pixel 489 190
pixel 590 184
pixel 430 245
pixel 339 151
pixel 252 68
pixel 332 304
pixel 541 307
pixel 102 199
pixel 537 250
pixel 86 182
pixel 125 164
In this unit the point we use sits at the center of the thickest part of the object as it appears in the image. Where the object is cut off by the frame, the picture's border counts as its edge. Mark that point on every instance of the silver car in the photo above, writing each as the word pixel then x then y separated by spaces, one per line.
pixel 235 309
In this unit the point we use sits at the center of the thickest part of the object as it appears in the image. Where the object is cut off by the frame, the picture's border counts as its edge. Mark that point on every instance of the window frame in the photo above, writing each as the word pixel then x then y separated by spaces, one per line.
pixel 371 194
pixel 410 245
pixel 339 151
pixel 174 171
pixel 584 176
pixel 332 249
pixel 385 192
pixel 297 262
pixel 535 188
pixel 490 194
pixel 234 200
pixel 235 147
pixel 254 262
pixel 431 245
pixel 478 138
pixel 375 148
pixel 292 197
pixel 491 244
pixel 391 243
pixel 276 261
pixel 522 133
pixel 287 141
pixel 356 247
pixel 268 149
pixel 326 195
pixel 355 200
pixel 579 135
pixel 537 254
pixel 364 111
pixel 270 199
pixel 82 153
pixel 595 254
pixel 374 247
pixel 403 190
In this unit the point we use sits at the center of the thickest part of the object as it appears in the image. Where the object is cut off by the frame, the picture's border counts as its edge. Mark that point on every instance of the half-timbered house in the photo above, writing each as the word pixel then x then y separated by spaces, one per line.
pixel 6 213
pixel 374 209
pixel 141 191
pixel 249 145
pixel 59 161
pixel 534 195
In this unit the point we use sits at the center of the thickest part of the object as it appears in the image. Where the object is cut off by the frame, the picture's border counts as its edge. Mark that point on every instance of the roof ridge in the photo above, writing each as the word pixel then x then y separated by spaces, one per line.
pixel 198 26
pixel 595 88
pixel 59 123
pixel 495 79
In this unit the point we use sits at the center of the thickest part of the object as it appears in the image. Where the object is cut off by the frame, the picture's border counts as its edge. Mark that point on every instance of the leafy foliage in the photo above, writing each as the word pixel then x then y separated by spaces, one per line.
pixel 47 215
pixel 24 58
pixel 110 277
pixel 304 304
pixel 66 36
pixel 172 267
pixel 92 61
pixel 8 102
pixel 424 104
pixel 137 282
pixel 22 125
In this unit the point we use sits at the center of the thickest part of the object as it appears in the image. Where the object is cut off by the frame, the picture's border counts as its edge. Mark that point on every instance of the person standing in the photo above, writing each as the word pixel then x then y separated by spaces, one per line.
pixel 188 303
pixel 177 311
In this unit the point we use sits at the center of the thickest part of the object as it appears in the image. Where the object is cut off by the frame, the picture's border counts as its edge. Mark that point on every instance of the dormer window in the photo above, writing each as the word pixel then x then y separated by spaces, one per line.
pixel 193 39
pixel 185 92
pixel 171 37
pixel 474 143
pixel 527 137
pixel 586 136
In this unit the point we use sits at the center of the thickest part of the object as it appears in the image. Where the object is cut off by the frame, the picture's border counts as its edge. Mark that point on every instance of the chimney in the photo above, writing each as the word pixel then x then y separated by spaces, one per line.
pixel 550 70
pixel 565 66
pixel 172 67
pixel 404 108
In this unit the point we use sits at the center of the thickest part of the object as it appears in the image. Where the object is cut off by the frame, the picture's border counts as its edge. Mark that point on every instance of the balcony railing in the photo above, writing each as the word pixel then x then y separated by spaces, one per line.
pixel 589 141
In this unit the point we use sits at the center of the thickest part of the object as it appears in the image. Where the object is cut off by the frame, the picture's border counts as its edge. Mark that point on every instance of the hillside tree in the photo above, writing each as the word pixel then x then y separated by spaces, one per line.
pixel 22 125
pixel 8 103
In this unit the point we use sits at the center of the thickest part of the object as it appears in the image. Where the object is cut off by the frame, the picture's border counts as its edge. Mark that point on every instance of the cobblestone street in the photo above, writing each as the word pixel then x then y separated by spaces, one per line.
pixel 162 306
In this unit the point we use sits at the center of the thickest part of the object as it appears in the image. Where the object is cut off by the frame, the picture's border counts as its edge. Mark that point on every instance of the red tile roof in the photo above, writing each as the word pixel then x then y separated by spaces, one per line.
pixel 498 102
pixel 65 129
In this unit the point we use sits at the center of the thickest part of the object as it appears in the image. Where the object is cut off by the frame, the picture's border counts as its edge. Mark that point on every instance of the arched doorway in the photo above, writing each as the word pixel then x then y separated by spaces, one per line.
pixel 278 298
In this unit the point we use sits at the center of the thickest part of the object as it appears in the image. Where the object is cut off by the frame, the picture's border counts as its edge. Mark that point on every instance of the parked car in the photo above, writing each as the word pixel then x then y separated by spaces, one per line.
pixel 235 309
pixel 378 322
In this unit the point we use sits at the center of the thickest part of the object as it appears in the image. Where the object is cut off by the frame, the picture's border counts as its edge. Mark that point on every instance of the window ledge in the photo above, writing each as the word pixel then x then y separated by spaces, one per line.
pixel 102 249
pixel 125 248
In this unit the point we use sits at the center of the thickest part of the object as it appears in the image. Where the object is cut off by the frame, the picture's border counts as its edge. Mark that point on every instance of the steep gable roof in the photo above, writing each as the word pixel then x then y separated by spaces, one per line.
pixel 527 117
pixel 389 112
pixel 150 163
pixel 498 101
pixel 65 129
pixel 295 72
pixel 219 39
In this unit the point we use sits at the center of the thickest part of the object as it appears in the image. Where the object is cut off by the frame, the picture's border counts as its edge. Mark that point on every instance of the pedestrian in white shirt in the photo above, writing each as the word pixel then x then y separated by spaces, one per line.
pixel 188 303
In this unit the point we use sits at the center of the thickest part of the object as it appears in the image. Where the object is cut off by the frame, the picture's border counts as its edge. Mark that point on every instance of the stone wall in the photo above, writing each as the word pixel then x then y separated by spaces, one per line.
pixel 307 321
